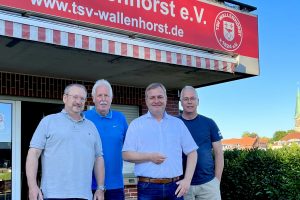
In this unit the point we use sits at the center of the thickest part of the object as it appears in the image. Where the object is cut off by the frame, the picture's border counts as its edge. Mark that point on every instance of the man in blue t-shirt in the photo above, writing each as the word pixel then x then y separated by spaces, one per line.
pixel 112 127
pixel 207 176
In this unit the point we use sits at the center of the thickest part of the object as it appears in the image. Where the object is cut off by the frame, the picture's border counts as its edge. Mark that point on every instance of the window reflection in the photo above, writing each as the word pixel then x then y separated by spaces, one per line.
pixel 5 170
pixel 5 150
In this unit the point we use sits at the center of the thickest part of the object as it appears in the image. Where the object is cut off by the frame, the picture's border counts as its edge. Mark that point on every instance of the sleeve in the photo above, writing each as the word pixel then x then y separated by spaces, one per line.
pixel 187 142
pixel 125 126
pixel 98 143
pixel 131 138
pixel 215 132
pixel 40 135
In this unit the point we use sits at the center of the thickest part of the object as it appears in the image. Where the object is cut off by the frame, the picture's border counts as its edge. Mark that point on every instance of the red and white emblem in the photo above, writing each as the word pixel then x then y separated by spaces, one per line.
pixel 228 31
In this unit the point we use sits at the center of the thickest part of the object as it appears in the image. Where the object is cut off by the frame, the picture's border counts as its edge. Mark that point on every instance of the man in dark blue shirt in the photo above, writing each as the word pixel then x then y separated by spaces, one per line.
pixel 207 176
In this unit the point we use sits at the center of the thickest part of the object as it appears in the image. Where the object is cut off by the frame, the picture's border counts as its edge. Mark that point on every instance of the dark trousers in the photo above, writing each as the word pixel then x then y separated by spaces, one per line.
pixel 64 199
pixel 157 191
pixel 114 194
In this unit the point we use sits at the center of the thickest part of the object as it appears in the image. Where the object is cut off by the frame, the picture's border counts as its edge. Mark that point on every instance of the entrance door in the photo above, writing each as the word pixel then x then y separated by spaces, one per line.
pixel 9 150
pixel 32 113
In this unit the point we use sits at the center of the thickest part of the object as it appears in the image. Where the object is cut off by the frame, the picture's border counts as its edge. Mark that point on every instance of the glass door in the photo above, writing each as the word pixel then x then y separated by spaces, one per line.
pixel 9 150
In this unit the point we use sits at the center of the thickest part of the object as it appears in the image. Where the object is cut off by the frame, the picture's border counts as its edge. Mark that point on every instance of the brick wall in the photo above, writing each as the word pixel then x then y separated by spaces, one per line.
pixel 14 84
pixel 130 192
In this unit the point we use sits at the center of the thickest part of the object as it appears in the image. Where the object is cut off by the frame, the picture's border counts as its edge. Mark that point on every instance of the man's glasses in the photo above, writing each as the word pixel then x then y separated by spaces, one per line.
pixel 192 99
pixel 77 98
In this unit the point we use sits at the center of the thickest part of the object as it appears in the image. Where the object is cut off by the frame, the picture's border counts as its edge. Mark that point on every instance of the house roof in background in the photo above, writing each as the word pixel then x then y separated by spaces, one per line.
pixel 245 141
pixel 291 136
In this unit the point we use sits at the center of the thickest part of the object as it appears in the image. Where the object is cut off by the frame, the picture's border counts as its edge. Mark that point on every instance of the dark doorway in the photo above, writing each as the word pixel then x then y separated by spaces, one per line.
pixel 31 115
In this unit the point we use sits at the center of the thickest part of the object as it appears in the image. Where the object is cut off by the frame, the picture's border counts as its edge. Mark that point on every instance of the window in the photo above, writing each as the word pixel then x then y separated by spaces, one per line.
pixel 5 150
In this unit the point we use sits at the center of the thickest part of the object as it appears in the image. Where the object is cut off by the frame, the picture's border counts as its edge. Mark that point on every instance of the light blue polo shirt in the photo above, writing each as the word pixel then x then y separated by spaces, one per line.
pixel 169 137
pixel 69 151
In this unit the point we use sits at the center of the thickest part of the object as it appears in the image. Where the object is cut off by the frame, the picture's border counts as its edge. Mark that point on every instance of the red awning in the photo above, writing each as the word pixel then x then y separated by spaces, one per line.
pixel 74 36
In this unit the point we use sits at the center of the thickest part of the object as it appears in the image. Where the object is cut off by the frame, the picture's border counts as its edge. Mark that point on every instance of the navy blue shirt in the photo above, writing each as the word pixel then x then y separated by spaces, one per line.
pixel 204 131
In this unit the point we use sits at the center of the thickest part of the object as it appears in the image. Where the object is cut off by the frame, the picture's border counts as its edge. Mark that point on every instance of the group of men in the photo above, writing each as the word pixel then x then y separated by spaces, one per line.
pixel 82 153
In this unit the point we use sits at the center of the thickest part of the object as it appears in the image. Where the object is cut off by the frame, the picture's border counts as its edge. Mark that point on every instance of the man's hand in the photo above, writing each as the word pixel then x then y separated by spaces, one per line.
pixel 157 158
pixel 99 195
pixel 35 193
pixel 183 187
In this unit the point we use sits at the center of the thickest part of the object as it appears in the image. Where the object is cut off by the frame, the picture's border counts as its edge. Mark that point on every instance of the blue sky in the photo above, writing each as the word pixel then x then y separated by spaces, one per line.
pixel 266 103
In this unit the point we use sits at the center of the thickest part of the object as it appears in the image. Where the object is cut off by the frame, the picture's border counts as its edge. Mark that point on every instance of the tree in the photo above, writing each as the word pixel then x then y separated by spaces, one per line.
pixel 264 137
pixel 248 134
pixel 278 135
pixel 290 131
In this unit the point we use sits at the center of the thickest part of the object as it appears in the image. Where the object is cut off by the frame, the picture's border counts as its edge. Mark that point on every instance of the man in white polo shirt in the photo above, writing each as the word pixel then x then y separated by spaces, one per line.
pixel 155 142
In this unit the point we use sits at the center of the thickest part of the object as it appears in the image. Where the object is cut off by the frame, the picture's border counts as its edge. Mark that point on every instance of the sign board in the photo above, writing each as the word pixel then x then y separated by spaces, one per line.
pixel 190 22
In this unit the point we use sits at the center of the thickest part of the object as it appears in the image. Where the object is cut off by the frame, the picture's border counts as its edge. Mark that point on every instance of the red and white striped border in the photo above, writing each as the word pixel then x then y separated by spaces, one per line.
pixel 57 37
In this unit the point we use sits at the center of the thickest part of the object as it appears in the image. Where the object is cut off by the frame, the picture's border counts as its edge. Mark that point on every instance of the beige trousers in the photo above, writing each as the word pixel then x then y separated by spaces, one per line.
pixel 206 191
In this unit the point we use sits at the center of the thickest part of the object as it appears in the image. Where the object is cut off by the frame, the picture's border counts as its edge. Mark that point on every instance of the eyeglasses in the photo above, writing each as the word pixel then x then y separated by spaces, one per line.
pixel 76 98
pixel 186 99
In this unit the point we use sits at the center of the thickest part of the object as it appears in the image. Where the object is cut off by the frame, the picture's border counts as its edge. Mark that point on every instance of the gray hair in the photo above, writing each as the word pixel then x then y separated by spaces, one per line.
pixel 105 83
pixel 190 88
pixel 68 88
pixel 154 86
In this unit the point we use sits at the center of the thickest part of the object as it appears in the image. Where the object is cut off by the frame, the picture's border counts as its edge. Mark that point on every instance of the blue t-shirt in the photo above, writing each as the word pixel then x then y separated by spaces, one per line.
pixel 204 131
pixel 112 129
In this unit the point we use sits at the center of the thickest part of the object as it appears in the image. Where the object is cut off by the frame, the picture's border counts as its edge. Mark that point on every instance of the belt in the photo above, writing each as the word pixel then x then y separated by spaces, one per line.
pixel 158 180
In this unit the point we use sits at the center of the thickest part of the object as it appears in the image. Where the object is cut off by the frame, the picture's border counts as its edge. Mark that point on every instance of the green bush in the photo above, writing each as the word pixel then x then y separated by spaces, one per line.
pixel 262 174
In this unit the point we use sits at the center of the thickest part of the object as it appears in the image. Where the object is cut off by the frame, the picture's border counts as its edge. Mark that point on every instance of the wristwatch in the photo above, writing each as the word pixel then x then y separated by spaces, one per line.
pixel 101 187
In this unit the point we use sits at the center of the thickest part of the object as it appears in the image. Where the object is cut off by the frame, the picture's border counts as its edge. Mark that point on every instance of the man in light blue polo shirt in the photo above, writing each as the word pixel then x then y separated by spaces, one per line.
pixel 70 148
pixel 112 127
pixel 155 142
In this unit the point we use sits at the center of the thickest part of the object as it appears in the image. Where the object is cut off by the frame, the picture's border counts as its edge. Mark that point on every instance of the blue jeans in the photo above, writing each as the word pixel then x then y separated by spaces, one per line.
pixel 114 194
pixel 154 191
pixel 63 199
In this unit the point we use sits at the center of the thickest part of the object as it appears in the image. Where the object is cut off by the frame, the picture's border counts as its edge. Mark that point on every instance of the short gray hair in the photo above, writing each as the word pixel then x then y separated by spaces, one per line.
pixel 190 88
pixel 68 88
pixel 154 86
pixel 105 83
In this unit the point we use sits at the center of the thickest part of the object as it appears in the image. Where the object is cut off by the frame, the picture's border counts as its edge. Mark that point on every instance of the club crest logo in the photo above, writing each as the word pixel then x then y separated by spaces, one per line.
pixel 228 31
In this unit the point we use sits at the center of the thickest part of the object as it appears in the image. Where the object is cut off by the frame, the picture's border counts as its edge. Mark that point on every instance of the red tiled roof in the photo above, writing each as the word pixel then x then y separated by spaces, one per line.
pixel 231 141
pixel 263 140
pixel 245 141
pixel 291 136
pixel 248 141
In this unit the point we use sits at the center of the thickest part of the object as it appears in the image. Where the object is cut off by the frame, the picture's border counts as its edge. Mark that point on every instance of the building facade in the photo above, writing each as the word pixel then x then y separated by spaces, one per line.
pixel 48 44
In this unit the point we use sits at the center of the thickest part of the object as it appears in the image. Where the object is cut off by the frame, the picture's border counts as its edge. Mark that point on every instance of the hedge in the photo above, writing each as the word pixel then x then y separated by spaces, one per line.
pixel 261 174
